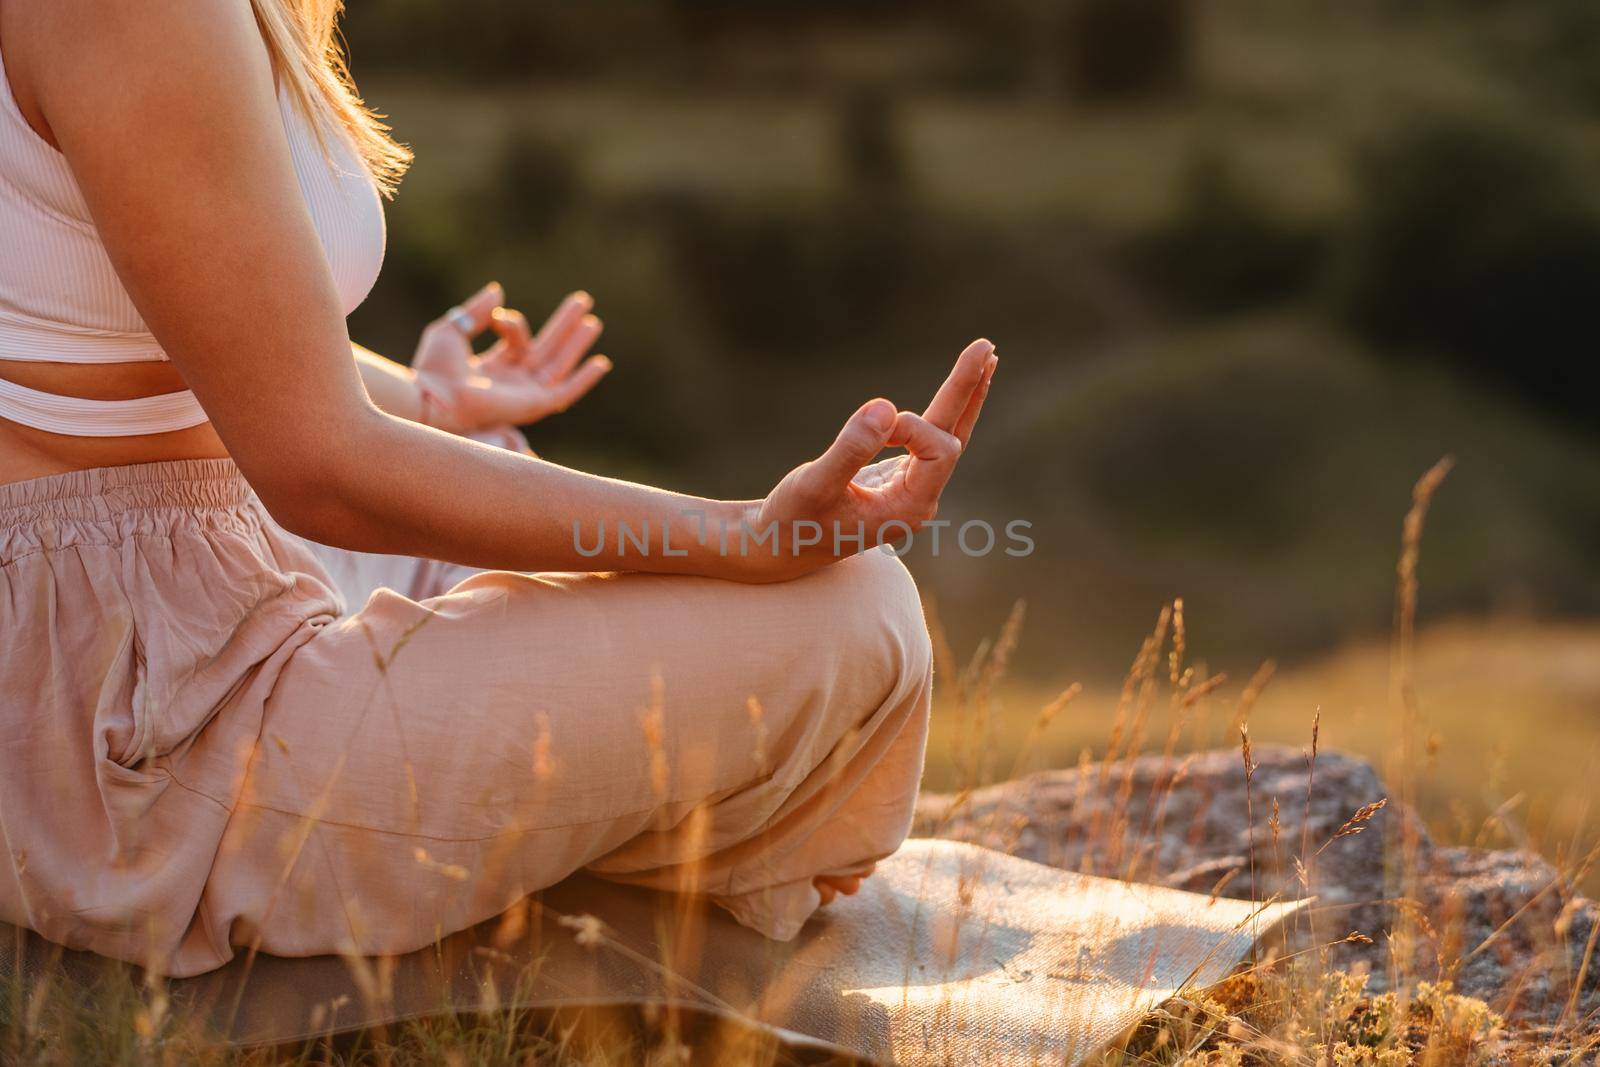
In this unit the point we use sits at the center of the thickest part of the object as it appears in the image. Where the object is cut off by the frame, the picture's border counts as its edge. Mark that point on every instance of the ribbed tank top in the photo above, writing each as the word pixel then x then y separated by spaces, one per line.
pixel 62 302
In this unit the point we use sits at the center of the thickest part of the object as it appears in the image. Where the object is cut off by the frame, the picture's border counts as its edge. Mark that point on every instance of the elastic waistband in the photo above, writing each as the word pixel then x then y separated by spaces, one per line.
pixel 103 492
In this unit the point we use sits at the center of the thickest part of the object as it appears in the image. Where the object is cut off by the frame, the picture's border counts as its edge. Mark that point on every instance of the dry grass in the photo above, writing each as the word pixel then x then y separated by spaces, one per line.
pixel 1511 705
pixel 1281 1009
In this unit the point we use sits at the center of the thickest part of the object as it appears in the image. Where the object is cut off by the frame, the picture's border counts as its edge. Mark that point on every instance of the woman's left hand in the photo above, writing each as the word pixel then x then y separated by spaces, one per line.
pixel 522 378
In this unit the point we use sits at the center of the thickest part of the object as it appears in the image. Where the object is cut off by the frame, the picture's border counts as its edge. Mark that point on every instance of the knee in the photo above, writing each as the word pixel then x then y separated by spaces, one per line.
pixel 881 617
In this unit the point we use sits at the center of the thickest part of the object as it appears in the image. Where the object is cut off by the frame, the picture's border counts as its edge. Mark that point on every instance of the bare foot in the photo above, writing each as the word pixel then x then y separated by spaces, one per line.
pixel 830 886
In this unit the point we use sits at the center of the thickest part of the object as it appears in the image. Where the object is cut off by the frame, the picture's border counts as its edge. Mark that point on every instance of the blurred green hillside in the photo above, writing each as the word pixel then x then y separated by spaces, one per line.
pixel 1251 268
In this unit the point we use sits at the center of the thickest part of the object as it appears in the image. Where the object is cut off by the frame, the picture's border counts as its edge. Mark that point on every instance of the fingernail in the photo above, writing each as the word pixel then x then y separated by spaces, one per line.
pixel 604 363
pixel 880 416
pixel 582 297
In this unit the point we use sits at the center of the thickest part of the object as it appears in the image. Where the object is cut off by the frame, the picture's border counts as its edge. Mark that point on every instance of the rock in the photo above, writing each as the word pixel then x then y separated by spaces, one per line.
pixel 1509 929
pixel 1502 925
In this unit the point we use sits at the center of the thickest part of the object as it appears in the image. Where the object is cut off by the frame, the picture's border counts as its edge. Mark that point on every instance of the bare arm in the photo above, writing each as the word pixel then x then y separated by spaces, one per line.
pixel 166 112
pixel 391 386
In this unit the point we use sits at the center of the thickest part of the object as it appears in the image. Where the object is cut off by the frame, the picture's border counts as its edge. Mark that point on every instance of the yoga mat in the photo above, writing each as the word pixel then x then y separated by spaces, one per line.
pixel 951 953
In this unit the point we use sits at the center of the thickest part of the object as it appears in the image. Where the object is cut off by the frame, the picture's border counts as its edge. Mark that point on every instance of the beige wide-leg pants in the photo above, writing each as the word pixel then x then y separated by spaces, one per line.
pixel 215 735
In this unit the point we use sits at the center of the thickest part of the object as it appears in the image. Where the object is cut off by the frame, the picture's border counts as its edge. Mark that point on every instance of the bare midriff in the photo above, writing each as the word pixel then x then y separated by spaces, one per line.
pixel 28 453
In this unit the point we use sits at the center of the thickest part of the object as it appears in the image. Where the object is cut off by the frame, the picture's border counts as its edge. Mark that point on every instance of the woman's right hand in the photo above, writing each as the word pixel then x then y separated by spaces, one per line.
pixel 841 502
pixel 523 378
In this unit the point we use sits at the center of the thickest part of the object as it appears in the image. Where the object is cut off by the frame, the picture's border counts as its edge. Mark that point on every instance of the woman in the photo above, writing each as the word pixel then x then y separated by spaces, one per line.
pixel 216 732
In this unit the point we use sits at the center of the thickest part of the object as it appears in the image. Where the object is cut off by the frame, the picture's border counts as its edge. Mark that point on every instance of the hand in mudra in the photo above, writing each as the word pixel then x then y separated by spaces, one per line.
pixel 522 378
pixel 844 491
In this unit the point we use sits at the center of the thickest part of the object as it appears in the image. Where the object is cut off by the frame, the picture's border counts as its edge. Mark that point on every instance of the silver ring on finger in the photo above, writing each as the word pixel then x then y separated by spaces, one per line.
pixel 459 318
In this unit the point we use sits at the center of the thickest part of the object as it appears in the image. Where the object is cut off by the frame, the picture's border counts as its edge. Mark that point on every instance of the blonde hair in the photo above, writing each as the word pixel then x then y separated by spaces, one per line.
pixel 302 39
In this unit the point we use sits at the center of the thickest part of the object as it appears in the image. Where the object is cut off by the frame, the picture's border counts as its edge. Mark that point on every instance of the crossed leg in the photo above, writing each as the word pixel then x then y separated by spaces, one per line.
pixel 425 763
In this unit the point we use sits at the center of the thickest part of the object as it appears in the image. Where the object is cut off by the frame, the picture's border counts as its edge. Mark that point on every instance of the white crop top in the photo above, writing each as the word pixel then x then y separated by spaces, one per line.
pixel 62 302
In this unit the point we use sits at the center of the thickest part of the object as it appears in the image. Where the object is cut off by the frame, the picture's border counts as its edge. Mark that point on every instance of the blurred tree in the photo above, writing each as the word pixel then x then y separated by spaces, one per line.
pixel 809 276
pixel 1225 249
pixel 539 183
pixel 492 40
pixel 1571 53
pixel 1117 49
pixel 869 143
pixel 1555 44
pixel 1474 238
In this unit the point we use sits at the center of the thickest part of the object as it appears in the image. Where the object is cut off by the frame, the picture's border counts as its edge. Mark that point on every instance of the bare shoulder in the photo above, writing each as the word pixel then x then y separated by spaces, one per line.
pixel 93 24
pixel 69 58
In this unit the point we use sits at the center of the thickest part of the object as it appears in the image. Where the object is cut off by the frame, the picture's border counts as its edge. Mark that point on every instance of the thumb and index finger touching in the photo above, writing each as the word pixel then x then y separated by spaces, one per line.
pixel 935 438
